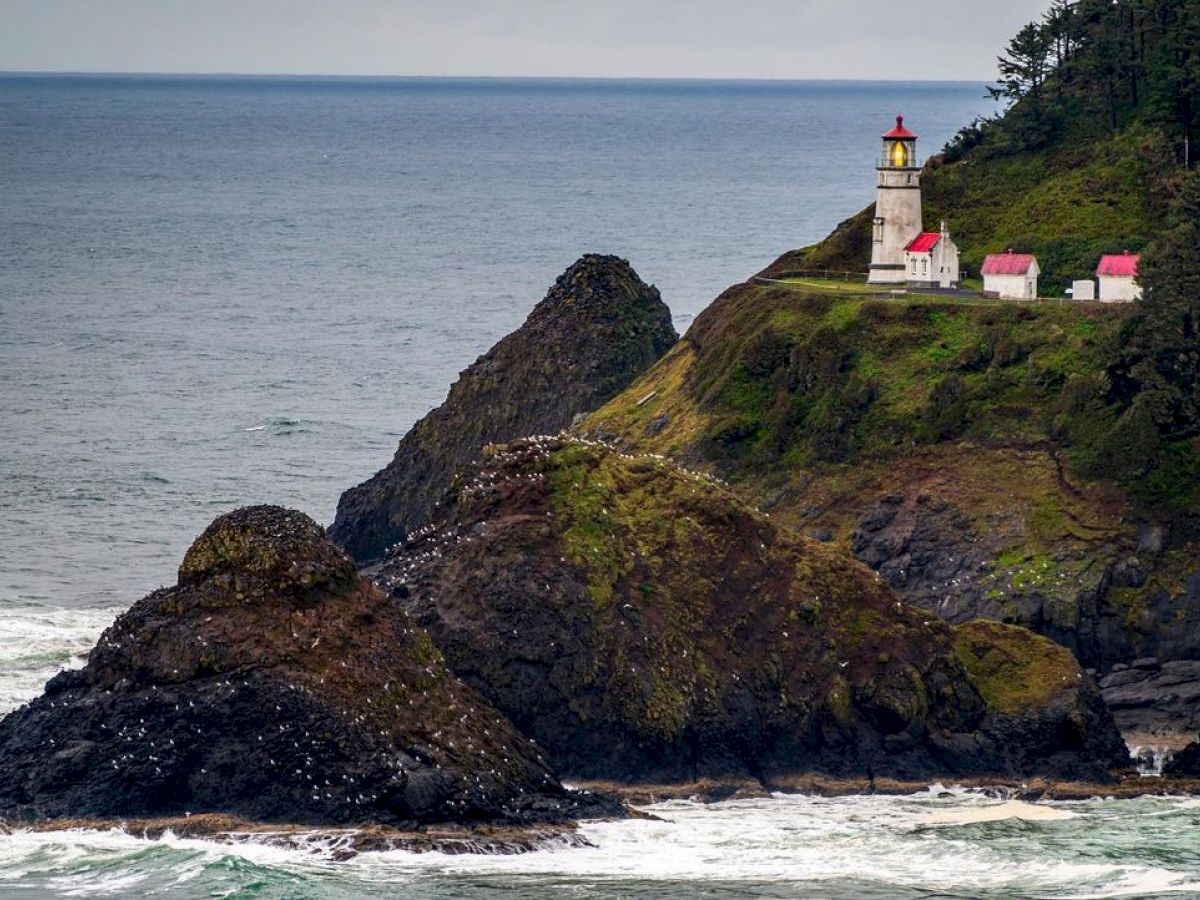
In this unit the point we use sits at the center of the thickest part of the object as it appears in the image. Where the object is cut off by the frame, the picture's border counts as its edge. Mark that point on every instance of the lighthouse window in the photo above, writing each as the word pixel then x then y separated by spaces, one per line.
pixel 899 155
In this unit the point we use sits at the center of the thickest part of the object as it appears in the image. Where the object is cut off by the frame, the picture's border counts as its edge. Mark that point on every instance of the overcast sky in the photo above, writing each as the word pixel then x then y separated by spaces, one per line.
pixel 936 39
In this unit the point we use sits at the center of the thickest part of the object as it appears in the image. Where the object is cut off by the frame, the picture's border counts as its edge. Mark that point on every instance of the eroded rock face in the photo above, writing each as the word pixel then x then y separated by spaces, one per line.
pixel 1153 701
pixel 273 684
pixel 924 439
pixel 598 327
pixel 643 625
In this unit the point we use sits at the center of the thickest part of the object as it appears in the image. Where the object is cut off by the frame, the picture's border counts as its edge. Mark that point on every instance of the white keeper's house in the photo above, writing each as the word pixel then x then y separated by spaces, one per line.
pixel 902 252
pixel 931 260
pixel 1118 278
pixel 1011 276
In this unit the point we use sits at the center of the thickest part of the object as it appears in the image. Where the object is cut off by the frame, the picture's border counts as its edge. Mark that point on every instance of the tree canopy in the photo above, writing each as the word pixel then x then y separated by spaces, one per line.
pixel 1106 63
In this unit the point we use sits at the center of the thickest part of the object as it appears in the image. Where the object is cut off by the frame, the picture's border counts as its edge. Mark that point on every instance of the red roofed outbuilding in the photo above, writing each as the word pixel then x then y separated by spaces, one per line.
pixel 1011 276
pixel 1118 278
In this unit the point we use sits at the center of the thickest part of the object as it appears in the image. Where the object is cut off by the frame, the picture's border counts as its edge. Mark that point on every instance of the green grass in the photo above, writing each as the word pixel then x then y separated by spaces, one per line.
pixel 819 375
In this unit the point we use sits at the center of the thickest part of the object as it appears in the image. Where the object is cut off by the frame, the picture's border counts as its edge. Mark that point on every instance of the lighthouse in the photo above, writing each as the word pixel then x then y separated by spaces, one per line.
pixel 897 205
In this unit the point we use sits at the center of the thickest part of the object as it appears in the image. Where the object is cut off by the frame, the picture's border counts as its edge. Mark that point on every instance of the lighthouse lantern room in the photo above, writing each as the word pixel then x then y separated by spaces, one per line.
pixel 897 205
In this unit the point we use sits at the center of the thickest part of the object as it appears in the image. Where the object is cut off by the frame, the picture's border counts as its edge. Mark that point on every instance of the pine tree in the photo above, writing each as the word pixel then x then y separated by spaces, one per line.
pixel 1024 68
pixel 1164 357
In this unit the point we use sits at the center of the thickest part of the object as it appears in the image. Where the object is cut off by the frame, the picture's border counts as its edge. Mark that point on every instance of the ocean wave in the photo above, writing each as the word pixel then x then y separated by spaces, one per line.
pixel 783 846
pixel 38 641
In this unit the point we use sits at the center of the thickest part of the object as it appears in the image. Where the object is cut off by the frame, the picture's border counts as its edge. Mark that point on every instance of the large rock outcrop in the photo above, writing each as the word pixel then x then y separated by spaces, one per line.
pixel 598 328
pixel 948 446
pixel 274 684
pixel 642 624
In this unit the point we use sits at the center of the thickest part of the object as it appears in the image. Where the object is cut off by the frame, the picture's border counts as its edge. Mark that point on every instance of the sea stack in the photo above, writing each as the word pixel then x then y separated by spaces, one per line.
pixel 644 625
pixel 273 684
pixel 597 329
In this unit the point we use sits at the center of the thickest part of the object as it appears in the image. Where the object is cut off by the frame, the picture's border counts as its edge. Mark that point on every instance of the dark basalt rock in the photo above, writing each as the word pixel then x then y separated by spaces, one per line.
pixel 643 625
pixel 273 684
pixel 1185 763
pixel 598 328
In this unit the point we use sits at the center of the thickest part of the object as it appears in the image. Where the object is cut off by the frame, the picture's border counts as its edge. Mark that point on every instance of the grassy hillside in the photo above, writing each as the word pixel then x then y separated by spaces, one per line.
pixel 960 448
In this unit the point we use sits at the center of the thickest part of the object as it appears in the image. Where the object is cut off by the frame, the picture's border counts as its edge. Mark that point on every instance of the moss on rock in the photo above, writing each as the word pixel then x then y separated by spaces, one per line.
pixel 641 623
pixel 1015 670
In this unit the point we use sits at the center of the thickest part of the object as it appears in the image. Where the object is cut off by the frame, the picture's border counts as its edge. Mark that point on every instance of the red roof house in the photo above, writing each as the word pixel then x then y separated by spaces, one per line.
pixel 1118 277
pixel 923 242
pixel 1124 265
pixel 1011 276
pixel 931 260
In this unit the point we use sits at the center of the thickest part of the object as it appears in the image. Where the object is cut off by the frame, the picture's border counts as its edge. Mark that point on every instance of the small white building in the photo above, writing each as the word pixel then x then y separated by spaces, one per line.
pixel 1083 290
pixel 931 260
pixel 1011 276
pixel 1118 278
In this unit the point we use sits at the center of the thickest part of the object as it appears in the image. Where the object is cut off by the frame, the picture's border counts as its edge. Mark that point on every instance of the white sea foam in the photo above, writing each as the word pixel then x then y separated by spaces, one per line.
pixel 998 812
pixel 843 847
pixel 38 641
pixel 818 845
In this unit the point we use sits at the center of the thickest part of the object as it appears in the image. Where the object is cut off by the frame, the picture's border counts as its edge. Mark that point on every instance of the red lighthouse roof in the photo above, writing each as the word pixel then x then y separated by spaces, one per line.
pixel 899 133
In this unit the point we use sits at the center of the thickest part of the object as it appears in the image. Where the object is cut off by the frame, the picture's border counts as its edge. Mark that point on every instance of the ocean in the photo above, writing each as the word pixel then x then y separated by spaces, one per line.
pixel 217 291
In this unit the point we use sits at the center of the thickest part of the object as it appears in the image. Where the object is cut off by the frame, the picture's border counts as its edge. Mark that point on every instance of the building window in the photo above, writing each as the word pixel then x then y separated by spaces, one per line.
pixel 878 230
pixel 914 265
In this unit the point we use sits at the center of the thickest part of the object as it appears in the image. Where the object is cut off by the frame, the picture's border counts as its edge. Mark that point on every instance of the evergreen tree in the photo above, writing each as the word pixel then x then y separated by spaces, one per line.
pixel 1024 68
pixel 1163 360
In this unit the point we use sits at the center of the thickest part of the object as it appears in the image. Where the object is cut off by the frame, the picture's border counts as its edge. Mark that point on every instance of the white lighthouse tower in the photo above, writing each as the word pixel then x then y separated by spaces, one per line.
pixel 897 206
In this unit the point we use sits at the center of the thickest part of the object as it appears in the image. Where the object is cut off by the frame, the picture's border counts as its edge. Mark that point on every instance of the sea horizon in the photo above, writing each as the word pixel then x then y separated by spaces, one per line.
pixel 552 79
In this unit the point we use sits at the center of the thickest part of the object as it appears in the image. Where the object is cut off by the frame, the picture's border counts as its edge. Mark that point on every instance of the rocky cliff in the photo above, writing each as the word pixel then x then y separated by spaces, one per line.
pixel 598 328
pixel 273 684
pixel 949 446
pixel 642 624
